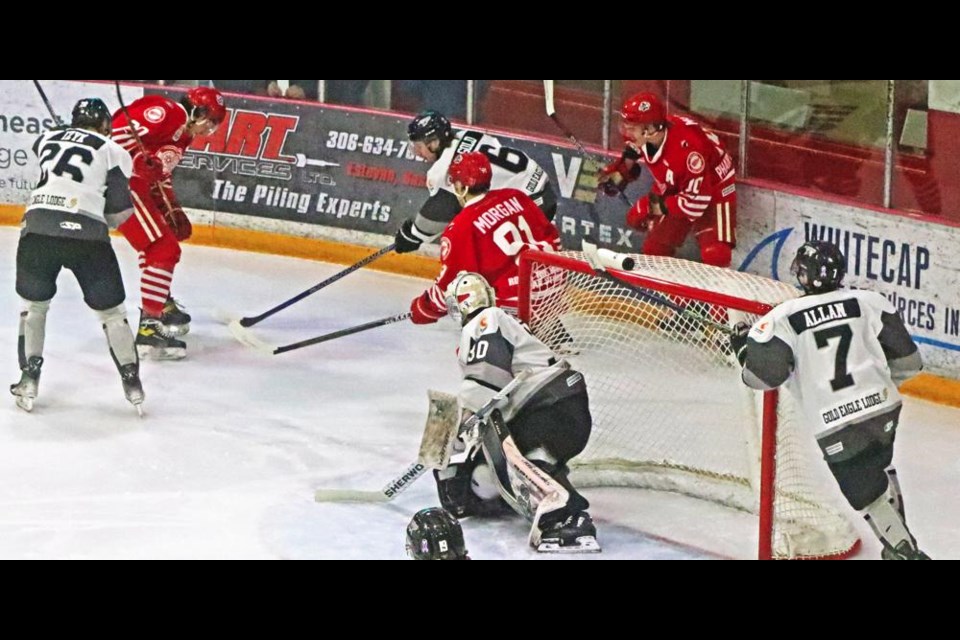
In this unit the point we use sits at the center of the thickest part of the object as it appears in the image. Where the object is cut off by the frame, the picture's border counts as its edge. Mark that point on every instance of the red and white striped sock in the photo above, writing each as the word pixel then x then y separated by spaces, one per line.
pixel 155 285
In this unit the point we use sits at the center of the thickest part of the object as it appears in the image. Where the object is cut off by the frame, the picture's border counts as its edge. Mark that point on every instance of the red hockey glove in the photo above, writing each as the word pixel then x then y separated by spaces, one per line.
pixel 618 174
pixel 638 214
pixel 180 223
pixel 423 311
pixel 615 176
pixel 645 212
pixel 148 166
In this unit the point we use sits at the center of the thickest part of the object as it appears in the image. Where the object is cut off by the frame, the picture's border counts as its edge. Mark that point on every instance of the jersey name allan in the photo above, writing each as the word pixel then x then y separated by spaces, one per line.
pixel 820 314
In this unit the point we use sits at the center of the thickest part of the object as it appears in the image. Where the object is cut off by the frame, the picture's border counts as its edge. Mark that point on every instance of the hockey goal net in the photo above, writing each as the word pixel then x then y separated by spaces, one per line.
pixel 670 411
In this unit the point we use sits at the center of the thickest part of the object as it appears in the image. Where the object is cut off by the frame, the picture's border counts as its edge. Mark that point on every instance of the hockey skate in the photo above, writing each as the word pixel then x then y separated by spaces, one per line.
pixel 574 534
pixel 153 341
pixel 903 551
pixel 25 391
pixel 175 320
pixel 132 388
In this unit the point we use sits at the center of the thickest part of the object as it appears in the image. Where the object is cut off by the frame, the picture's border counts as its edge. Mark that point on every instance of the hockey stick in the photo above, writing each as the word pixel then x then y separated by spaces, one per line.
pixel 43 96
pixel 596 260
pixel 425 460
pixel 252 341
pixel 252 320
pixel 552 114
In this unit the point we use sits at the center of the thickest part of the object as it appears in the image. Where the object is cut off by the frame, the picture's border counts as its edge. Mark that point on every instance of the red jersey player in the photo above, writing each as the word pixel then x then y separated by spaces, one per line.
pixel 164 129
pixel 486 237
pixel 694 181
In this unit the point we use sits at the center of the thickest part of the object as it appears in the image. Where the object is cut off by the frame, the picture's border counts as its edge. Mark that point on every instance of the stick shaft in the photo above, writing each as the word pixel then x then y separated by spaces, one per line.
pixel 252 320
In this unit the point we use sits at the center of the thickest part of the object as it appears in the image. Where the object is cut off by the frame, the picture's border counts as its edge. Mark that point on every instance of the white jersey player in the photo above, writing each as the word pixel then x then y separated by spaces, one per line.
pixel 81 190
pixel 548 416
pixel 841 354
pixel 434 140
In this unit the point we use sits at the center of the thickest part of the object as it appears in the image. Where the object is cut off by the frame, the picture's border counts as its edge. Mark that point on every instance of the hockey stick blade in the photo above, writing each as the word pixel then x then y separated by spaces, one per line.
pixel 247 338
pixel 548 97
pixel 349 495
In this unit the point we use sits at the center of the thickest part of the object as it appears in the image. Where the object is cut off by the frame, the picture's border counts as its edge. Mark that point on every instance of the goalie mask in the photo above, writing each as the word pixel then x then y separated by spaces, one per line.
pixel 468 293
pixel 819 267
pixel 434 534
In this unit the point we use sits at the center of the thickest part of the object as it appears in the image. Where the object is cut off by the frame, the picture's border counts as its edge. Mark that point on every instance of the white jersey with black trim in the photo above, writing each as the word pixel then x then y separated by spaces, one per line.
pixel 494 348
pixel 83 178
pixel 840 372
pixel 512 168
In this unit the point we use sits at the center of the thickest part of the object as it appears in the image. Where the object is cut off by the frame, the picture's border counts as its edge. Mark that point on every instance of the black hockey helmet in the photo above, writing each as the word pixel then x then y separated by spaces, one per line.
pixel 819 266
pixel 91 113
pixel 430 124
pixel 434 534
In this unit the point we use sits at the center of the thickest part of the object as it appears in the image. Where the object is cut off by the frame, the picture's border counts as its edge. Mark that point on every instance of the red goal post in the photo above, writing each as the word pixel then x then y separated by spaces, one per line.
pixel 669 409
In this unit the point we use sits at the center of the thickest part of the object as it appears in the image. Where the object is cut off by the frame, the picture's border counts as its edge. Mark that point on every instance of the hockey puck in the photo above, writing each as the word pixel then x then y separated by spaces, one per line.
pixel 628 264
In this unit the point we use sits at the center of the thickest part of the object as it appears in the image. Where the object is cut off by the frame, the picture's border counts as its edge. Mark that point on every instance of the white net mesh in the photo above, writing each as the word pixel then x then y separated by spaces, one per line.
pixel 669 409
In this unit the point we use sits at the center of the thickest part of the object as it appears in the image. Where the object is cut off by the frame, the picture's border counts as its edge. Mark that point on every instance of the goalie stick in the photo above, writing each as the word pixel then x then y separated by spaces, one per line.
pixel 247 338
pixel 596 260
pixel 441 424
pixel 252 320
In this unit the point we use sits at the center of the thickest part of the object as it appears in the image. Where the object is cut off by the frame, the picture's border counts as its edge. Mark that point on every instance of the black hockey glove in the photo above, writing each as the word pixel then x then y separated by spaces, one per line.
pixel 738 341
pixel 406 240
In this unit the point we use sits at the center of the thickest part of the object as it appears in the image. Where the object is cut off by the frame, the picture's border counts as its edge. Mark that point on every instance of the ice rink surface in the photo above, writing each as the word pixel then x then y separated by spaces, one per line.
pixel 234 442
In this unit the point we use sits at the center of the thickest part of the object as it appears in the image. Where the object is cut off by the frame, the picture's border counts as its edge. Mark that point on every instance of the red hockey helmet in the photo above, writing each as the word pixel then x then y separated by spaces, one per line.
pixel 210 103
pixel 472 170
pixel 643 108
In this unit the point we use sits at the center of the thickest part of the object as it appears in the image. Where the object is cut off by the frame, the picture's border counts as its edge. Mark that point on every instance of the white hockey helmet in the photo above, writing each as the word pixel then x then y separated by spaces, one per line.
pixel 467 293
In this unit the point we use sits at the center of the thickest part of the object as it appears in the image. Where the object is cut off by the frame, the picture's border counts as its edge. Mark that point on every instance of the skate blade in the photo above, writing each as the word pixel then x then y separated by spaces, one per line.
pixel 177 329
pixel 25 403
pixel 584 544
pixel 139 409
pixel 168 353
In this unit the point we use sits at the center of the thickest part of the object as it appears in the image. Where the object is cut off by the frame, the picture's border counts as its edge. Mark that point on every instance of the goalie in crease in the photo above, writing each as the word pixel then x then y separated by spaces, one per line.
pixel 547 415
